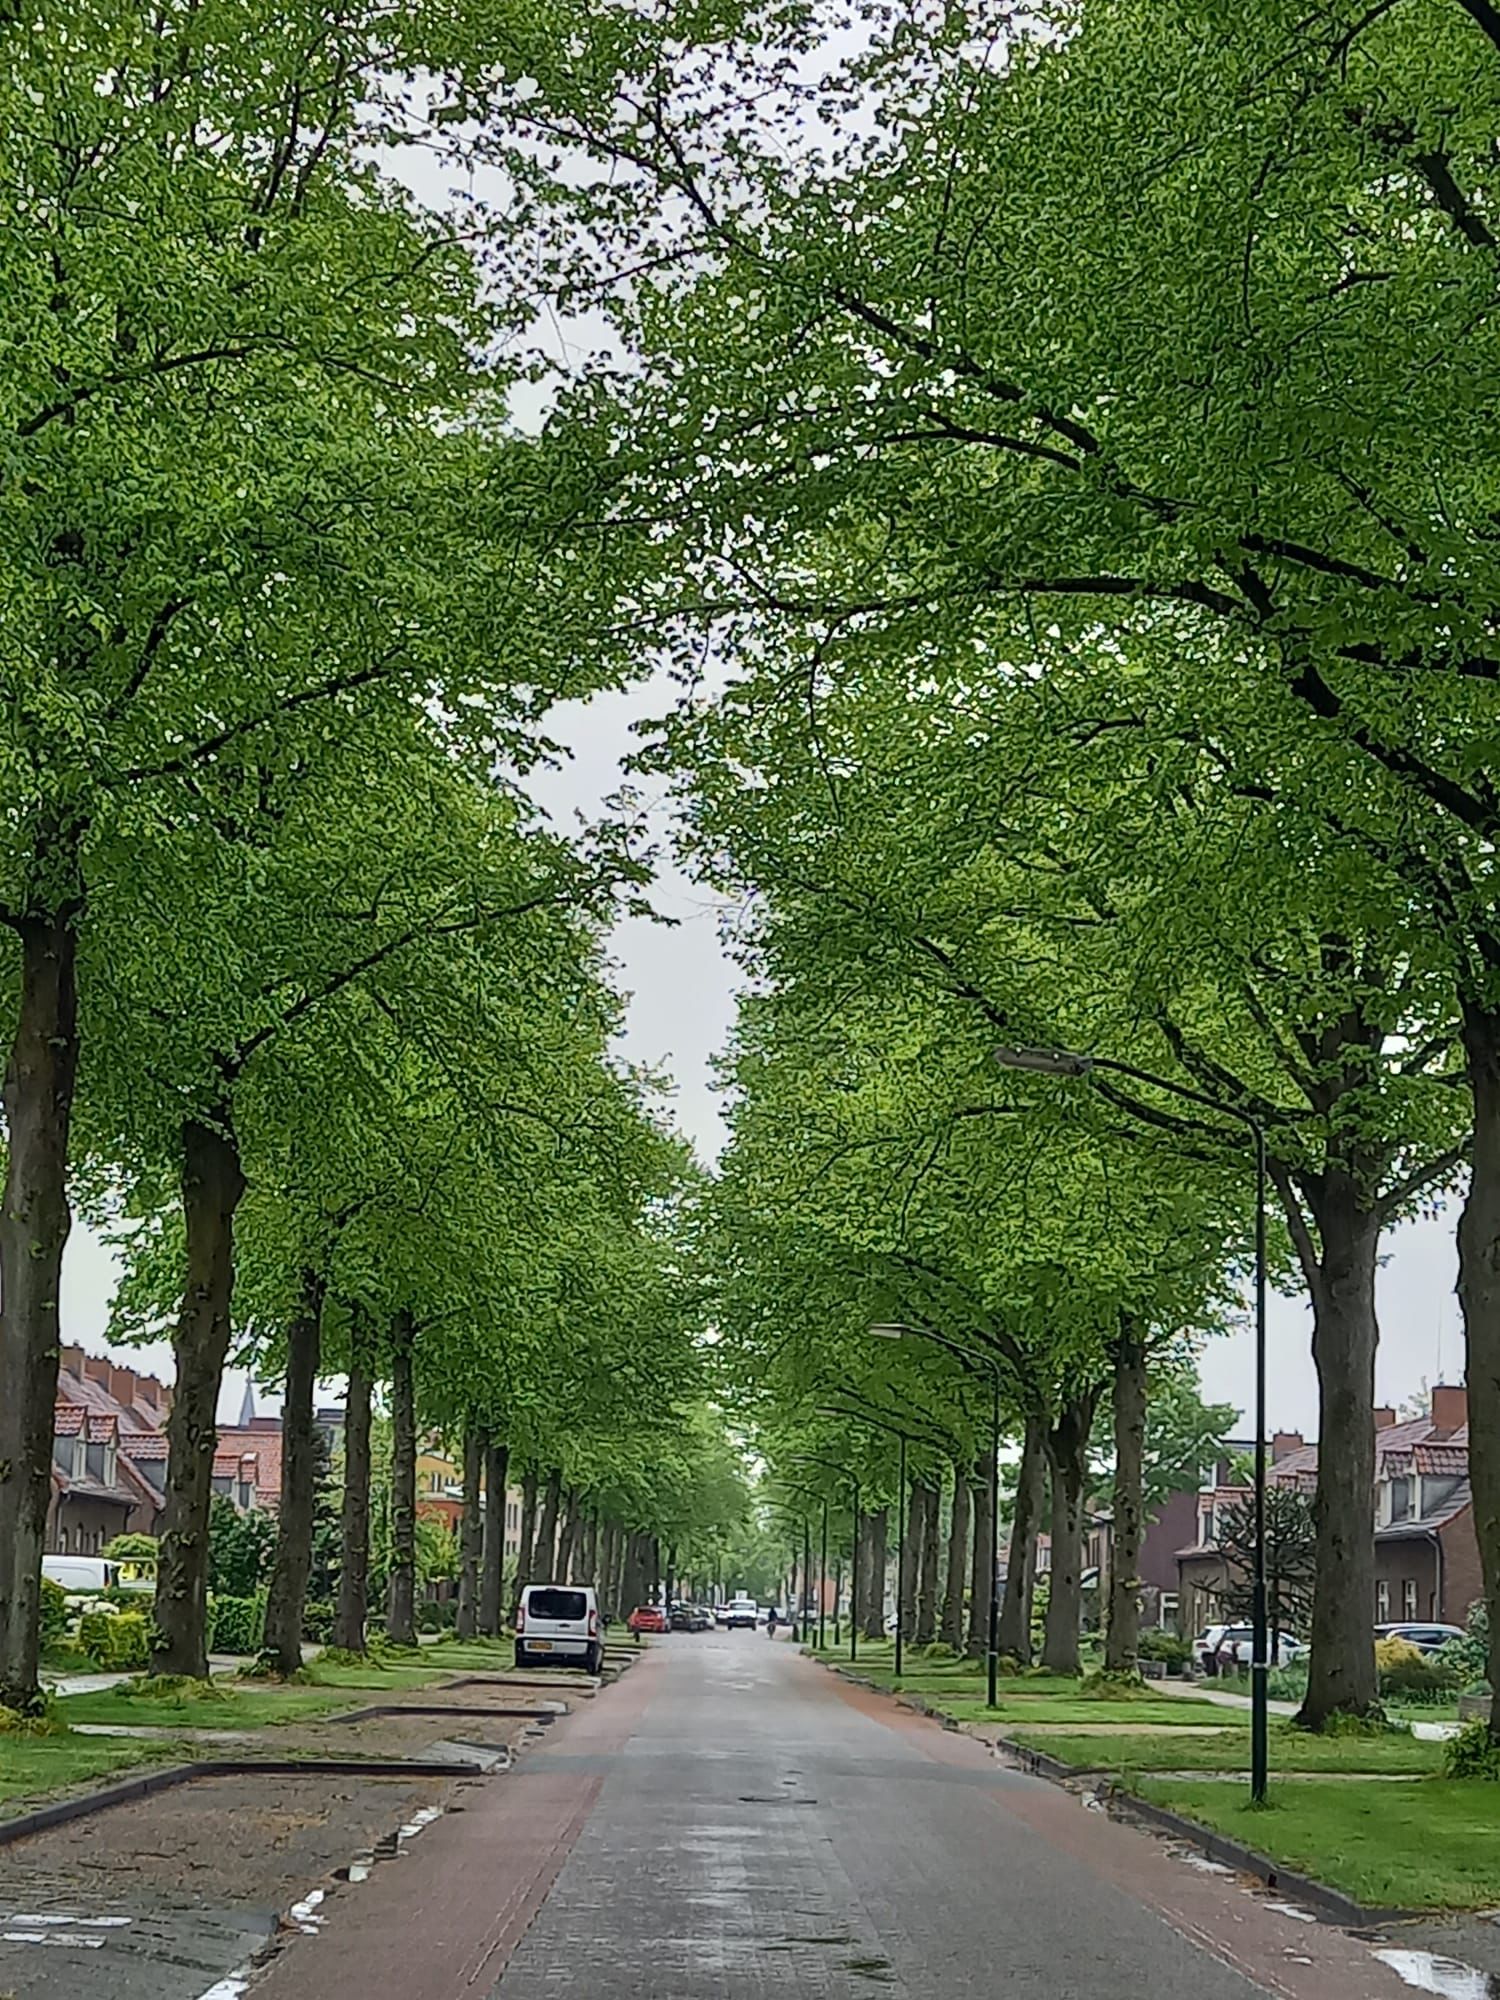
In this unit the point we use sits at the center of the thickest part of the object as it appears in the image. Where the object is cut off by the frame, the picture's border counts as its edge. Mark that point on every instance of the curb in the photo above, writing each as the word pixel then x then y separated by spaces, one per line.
pixel 62 1811
pixel 1330 1903
pixel 1234 1854
pixel 541 1715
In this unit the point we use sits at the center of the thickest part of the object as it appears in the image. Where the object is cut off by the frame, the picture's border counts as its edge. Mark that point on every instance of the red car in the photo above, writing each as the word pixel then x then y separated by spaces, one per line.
pixel 647 1618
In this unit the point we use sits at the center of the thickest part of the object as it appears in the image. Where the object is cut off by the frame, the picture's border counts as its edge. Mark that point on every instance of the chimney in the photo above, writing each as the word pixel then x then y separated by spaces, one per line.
pixel 96 1368
pixel 122 1385
pixel 1450 1409
pixel 1284 1444
pixel 1385 1416
pixel 148 1391
pixel 71 1359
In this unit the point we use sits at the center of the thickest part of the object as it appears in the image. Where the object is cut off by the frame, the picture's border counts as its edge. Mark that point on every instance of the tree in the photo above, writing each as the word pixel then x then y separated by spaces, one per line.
pixel 1291 1558
pixel 240 1548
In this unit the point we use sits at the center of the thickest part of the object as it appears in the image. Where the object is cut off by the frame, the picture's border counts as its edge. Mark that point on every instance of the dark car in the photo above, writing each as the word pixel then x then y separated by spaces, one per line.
pixel 682 1618
pixel 700 1618
pixel 1427 1638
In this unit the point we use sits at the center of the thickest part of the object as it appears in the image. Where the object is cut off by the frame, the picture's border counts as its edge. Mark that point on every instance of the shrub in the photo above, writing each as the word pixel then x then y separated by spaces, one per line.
pixel 435 1617
pixel 54 1610
pixel 132 1548
pixel 1469 1657
pixel 1157 1643
pixel 317 1623
pixel 1114 1687
pixel 1473 1753
pixel 40 1717
pixel 236 1624
pixel 174 1687
pixel 117 1641
pixel 341 1656
pixel 1412 1674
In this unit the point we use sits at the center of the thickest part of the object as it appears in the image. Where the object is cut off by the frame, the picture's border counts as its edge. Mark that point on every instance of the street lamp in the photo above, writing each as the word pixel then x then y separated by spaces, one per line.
pixel 833 1466
pixel 975 1358
pixel 895 1431
pixel 1064 1062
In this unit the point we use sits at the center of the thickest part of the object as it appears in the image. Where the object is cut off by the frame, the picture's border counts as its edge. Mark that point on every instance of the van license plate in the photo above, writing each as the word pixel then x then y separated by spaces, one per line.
pixel 541 1645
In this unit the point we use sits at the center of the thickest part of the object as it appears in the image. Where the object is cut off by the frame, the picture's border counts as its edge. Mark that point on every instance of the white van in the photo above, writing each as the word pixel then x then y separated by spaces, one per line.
pixel 558 1625
pixel 81 1576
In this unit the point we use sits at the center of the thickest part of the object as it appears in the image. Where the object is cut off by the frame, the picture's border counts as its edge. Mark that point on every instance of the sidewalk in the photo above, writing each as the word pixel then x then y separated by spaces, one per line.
pixel 1425 1732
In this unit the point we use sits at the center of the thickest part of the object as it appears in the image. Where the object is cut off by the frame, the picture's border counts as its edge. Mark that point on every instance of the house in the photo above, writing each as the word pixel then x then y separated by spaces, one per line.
pixel 109 1453
pixel 247 1464
pixel 1426 1554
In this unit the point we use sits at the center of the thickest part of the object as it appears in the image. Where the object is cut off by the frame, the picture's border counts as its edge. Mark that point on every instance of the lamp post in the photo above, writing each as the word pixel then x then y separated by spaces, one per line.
pixel 833 1466
pixel 975 1358
pixel 1065 1062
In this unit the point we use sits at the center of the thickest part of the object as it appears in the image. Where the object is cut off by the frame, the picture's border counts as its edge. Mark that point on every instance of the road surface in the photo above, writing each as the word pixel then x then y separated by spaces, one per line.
pixel 733 1822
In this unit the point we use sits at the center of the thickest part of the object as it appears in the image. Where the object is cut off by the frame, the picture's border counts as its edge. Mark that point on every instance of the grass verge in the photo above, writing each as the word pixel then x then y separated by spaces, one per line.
pixel 1432 1845
pixel 34 1768
pixel 1229 1750
pixel 195 1705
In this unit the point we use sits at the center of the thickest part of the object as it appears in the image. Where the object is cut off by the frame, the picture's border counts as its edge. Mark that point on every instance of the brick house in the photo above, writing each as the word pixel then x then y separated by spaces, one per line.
pixel 108 1454
pixel 1426 1554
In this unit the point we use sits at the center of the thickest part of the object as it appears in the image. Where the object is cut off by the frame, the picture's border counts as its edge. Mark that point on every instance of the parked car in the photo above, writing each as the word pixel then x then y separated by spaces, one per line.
pixel 1226 1649
pixel 740 1613
pixel 681 1618
pixel 81 1576
pixel 700 1618
pixel 721 1614
pixel 647 1618
pixel 1426 1638
pixel 559 1623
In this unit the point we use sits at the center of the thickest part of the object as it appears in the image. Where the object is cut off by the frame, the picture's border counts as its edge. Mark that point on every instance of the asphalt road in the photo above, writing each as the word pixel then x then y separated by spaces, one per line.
pixel 732 1822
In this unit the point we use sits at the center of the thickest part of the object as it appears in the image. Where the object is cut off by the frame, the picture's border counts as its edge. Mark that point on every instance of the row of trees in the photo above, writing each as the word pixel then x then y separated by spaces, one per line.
pixel 303 1003
pixel 1075 428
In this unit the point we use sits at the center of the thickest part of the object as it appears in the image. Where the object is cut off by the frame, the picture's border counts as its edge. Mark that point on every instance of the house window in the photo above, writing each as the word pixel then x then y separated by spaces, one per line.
pixel 1409 1598
pixel 1382 1602
pixel 1207 1526
pixel 1168 1611
pixel 1400 1499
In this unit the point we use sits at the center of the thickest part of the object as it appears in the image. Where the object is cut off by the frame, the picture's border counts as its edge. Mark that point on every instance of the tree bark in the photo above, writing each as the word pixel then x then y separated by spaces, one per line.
pixel 471 1535
pixel 1479 1294
pixel 928 1551
pixel 1020 1564
pixel 212 1184
pixel 492 1557
pixel 1341 1670
pixel 1067 1460
pixel 527 1539
pixel 977 1643
pixel 589 1558
pixel 354 1553
pixel 1123 1637
pixel 401 1603
pixel 911 1555
pixel 35 1217
pixel 952 1632
pixel 872 1588
pixel 544 1555
pixel 299 1471
pixel 567 1540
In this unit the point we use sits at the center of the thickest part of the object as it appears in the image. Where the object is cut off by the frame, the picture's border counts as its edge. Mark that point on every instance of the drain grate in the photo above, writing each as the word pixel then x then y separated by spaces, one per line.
pixel 766 1799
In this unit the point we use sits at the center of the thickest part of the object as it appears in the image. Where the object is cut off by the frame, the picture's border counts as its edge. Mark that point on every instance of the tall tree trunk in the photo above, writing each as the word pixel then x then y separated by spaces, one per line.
pixel 492 1559
pixel 1122 1641
pixel 401 1604
pixel 524 1571
pixel 471 1534
pixel 567 1541
pixel 40 1079
pixel 589 1559
pixel 292 1565
pixel 1341 1669
pixel 354 1549
pixel 1020 1564
pixel 981 1574
pixel 544 1555
pixel 212 1184
pixel 632 1574
pixel 872 1588
pixel 952 1632
pixel 924 1632
pixel 911 1546
pixel 1479 1293
pixel 1067 1460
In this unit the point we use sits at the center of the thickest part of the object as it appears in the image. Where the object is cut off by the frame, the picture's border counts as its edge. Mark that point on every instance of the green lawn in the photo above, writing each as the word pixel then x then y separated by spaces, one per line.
pixel 1229 1750
pixel 1434 1844
pixel 393 1679
pixel 240 1706
pixel 35 1767
pixel 1080 1710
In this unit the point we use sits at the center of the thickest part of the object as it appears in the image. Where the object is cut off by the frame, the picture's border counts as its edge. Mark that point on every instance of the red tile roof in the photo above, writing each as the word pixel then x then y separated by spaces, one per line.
pixel 149 1445
pixel 264 1446
pixel 68 1421
pixel 1442 1461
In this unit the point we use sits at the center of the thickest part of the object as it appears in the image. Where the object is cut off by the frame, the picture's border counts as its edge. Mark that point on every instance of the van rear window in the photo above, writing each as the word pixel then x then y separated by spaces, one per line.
pixel 556 1604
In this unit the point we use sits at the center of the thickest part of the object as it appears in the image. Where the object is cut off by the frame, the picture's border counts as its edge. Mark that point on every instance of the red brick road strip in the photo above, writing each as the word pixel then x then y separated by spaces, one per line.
pixel 441 1923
